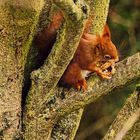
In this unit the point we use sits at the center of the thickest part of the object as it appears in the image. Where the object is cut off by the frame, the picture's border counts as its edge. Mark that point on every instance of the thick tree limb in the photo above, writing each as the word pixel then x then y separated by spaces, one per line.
pixel 126 125
pixel 18 20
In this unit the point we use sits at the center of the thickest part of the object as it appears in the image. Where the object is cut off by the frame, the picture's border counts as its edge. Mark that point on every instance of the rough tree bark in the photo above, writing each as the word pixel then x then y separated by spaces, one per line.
pixel 47 103
pixel 16 31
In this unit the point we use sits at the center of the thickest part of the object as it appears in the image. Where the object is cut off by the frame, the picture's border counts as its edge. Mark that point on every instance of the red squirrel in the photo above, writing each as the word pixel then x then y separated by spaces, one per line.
pixel 95 54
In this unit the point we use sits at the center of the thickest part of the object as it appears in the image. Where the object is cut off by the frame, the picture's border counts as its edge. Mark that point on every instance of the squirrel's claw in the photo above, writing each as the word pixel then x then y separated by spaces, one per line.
pixel 82 84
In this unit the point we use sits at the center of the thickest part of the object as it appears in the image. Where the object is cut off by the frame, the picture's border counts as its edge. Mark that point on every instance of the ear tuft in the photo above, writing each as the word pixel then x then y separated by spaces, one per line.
pixel 106 32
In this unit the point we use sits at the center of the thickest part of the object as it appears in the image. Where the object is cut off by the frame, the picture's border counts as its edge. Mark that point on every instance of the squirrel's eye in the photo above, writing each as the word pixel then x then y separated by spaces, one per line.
pixel 107 56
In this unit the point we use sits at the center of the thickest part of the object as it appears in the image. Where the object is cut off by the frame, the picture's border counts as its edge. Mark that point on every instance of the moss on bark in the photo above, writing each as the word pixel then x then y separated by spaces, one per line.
pixel 16 31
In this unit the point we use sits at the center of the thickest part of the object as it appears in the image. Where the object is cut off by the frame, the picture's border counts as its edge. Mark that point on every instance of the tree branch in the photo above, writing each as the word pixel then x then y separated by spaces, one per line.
pixel 126 124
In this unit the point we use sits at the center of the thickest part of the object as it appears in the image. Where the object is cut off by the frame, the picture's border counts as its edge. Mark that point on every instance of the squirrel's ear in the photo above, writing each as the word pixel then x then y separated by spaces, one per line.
pixel 106 32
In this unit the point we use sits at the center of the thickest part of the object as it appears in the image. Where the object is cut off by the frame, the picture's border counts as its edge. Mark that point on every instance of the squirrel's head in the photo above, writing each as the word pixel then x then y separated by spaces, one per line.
pixel 106 53
pixel 98 50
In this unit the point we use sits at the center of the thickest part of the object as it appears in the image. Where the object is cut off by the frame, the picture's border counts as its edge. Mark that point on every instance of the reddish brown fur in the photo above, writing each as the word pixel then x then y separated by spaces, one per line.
pixel 45 39
pixel 93 54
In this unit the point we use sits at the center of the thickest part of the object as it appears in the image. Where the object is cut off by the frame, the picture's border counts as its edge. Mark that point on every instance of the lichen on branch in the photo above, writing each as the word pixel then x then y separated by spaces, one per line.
pixel 46 78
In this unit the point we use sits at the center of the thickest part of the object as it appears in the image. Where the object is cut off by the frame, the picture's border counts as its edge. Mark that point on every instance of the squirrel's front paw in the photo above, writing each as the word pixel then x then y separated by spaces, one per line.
pixel 81 84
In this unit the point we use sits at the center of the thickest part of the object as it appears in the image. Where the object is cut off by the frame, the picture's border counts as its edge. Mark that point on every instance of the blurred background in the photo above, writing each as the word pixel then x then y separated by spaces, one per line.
pixel 124 23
